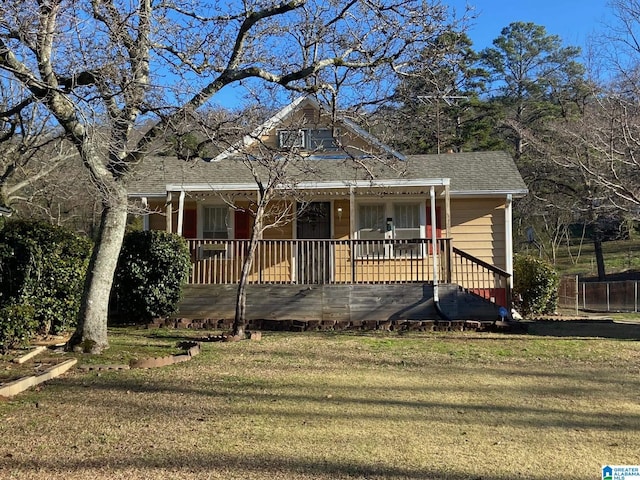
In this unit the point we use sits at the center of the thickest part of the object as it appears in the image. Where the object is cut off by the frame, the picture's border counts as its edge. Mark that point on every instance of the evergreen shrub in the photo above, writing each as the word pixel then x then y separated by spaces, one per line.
pixel 152 270
pixel 535 285
pixel 42 272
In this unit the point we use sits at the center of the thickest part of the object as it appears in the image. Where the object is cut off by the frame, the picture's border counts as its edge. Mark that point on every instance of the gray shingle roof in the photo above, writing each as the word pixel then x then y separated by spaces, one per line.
pixel 473 172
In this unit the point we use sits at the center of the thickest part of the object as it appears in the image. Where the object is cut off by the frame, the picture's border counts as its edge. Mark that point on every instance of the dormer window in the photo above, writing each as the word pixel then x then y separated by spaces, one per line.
pixel 311 139
pixel 292 139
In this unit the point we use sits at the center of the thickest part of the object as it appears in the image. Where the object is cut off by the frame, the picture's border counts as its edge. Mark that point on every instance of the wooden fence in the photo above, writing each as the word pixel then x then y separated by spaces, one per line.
pixel 614 296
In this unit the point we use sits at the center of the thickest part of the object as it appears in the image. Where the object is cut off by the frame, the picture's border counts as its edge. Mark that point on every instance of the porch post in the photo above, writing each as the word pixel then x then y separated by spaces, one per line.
pixel 180 212
pixel 447 219
pixel 352 230
pixel 169 213
pixel 508 242
pixel 434 240
pixel 145 216
pixel 352 212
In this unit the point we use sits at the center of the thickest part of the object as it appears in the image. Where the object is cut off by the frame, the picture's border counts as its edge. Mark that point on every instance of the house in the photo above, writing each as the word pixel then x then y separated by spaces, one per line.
pixel 362 231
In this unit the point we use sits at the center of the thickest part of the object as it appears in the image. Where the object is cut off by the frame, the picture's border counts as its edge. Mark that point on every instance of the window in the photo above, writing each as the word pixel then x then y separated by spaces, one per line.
pixel 371 226
pixel 292 139
pixel 371 222
pixel 215 222
pixel 406 218
pixel 316 139
pixel 406 222
pixel 322 140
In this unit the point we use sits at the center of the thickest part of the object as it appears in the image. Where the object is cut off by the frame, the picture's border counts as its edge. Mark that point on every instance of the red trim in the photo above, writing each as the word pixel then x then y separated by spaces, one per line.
pixel 242 222
pixel 496 295
pixel 190 223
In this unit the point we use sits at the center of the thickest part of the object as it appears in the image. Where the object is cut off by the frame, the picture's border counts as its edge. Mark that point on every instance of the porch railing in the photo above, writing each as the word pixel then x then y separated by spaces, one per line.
pixel 317 261
pixel 481 278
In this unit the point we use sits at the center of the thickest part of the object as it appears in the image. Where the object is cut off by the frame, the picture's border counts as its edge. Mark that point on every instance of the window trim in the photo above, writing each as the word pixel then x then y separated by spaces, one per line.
pixel 230 228
pixel 389 212
pixel 300 140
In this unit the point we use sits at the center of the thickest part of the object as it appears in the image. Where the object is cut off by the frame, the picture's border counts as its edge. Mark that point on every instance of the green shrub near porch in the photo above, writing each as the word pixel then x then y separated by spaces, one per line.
pixel 535 285
pixel 152 269
pixel 42 272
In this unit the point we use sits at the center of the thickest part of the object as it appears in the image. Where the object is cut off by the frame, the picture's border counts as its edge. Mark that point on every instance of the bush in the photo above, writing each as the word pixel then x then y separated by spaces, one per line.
pixel 42 273
pixel 17 325
pixel 535 285
pixel 152 269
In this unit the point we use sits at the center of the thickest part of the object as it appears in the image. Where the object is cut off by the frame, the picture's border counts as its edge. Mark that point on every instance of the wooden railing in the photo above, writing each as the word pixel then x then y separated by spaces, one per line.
pixel 481 278
pixel 317 261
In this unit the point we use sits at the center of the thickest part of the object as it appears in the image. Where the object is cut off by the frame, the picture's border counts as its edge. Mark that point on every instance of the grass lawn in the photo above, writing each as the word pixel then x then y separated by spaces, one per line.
pixel 551 404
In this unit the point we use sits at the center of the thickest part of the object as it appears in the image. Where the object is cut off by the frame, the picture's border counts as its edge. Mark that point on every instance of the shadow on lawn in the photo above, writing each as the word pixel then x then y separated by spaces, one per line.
pixel 586 329
pixel 345 403
pixel 248 465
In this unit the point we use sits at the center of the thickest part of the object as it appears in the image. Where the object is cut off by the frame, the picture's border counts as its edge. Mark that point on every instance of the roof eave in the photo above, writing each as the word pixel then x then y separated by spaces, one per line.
pixel 516 193
pixel 321 185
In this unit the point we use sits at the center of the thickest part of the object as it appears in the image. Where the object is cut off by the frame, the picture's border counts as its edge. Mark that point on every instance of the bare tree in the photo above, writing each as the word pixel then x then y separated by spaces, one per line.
pixel 102 66
pixel 30 149
pixel 608 133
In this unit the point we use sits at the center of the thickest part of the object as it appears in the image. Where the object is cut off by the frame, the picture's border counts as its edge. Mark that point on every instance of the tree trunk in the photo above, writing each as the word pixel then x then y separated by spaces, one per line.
pixel 91 332
pixel 240 320
pixel 597 250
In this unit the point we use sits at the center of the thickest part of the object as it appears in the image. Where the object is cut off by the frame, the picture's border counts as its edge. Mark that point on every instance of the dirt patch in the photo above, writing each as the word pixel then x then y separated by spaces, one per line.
pixel 10 370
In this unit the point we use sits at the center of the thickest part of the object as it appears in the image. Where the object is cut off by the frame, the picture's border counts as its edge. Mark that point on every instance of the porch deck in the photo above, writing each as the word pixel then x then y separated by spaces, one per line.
pixel 347 262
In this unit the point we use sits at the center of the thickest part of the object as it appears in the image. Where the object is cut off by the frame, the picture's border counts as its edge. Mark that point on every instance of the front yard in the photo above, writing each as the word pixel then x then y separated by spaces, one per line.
pixel 337 406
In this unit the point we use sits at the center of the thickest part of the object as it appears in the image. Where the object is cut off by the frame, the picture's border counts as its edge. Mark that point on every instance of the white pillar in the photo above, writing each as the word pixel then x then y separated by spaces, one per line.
pixel 434 246
pixel 145 215
pixel 352 212
pixel 169 213
pixel 180 212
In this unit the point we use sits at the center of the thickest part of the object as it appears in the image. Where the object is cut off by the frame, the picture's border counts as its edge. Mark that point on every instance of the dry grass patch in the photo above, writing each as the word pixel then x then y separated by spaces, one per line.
pixel 338 406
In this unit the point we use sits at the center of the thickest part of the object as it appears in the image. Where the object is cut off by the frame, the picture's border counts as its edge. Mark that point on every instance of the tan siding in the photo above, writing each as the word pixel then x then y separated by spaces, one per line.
pixel 478 228
pixel 284 232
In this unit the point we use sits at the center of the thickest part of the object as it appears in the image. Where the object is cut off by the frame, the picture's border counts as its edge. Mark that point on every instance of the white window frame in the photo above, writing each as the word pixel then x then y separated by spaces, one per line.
pixel 298 135
pixel 365 253
pixel 389 212
pixel 230 229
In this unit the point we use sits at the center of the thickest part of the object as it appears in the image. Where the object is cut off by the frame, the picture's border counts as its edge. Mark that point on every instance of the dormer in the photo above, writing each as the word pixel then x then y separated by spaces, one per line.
pixel 305 128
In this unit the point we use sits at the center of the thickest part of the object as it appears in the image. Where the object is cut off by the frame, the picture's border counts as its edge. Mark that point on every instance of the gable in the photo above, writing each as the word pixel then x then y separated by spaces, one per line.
pixel 307 128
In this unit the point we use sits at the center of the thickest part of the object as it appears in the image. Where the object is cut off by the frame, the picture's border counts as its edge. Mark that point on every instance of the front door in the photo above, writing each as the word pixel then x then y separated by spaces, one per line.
pixel 312 258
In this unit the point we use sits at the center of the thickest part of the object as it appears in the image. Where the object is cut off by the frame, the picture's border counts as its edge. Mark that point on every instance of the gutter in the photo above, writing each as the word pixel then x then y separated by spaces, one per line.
pixel 434 253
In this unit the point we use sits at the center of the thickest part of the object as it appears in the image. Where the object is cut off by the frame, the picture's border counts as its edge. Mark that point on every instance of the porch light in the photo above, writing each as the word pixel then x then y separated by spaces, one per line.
pixel 339 213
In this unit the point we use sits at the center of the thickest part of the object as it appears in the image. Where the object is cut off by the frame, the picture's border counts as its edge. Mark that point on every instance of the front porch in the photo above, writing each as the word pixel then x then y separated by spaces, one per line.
pixel 385 278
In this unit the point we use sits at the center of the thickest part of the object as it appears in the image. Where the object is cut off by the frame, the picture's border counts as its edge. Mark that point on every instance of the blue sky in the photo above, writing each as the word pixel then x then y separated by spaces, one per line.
pixel 573 20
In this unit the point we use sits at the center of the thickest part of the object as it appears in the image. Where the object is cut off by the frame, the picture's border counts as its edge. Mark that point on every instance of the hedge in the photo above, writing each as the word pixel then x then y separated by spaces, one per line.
pixel 152 269
pixel 42 272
